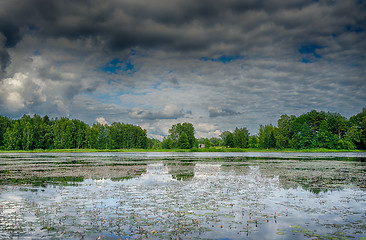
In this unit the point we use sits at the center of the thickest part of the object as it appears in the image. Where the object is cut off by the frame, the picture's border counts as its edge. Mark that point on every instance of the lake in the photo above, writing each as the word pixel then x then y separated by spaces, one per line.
pixel 183 195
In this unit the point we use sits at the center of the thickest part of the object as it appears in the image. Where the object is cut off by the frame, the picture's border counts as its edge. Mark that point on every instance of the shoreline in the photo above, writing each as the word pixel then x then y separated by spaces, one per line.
pixel 316 150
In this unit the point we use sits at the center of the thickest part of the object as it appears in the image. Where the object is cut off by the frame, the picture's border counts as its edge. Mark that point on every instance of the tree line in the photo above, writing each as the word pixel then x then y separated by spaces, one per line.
pixel 310 130
pixel 29 133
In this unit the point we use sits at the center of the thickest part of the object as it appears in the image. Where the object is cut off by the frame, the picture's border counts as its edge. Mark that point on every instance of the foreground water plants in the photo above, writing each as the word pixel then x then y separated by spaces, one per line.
pixel 180 197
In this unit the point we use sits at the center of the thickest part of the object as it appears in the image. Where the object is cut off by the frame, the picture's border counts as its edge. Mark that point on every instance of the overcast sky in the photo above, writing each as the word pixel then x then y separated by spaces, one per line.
pixel 216 64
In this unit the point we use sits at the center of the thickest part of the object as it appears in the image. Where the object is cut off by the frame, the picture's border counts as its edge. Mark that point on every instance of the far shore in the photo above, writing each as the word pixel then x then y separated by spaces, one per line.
pixel 214 149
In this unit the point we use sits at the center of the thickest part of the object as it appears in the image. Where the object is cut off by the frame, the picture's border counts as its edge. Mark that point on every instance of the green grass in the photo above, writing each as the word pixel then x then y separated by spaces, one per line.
pixel 212 149
pixel 86 150
pixel 222 149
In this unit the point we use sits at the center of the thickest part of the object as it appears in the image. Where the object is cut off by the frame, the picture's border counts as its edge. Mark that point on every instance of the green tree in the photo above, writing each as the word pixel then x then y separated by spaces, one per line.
pixel 4 124
pixel 284 132
pixel 102 136
pixel 153 143
pixel 167 143
pixel 215 141
pixel 207 143
pixel 27 141
pixel 305 137
pixel 325 138
pixel 63 134
pixel 253 141
pixel 359 120
pixel 241 137
pixel 13 137
pixel 79 130
pixel 267 137
pixel 315 119
pixel 48 136
pixel 227 138
pixel 91 137
pixel 39 133
pixel 337 124
pixel 183 141
pixel 176 131
pixel 351 139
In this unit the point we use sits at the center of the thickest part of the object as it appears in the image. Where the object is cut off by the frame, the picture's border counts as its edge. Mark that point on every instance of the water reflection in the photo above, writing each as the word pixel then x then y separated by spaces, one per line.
pixel 156 174
pixel 316 176
pixel 181 171
pixel 221 198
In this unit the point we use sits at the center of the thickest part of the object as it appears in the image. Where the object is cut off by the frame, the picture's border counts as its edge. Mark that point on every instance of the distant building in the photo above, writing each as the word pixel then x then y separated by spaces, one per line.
pixel 201 145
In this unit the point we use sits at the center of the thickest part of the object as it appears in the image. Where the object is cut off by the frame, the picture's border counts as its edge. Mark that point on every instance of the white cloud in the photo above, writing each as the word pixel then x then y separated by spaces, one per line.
pixel 101 120
pixel 21 91
pixel 205 127
pixel 206 130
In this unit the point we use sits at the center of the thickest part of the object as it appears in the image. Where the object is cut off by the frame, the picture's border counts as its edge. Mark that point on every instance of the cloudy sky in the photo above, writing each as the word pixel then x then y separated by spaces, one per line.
pixel 216 64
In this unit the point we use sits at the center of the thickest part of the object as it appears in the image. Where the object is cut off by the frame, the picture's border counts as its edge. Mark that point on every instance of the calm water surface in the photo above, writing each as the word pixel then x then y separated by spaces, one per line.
pixel 183 196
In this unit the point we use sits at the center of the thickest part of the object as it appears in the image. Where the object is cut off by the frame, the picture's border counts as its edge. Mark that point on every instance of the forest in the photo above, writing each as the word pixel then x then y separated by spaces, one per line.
pixel 29 133
pixel 310 130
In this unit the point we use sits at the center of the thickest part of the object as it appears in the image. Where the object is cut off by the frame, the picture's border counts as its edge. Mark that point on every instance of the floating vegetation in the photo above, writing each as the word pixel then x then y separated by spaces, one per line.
pixel 86 197
pixel 281 231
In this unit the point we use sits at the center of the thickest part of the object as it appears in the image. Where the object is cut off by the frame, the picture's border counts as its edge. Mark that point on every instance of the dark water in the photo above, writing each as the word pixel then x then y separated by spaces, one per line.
pixel 183 196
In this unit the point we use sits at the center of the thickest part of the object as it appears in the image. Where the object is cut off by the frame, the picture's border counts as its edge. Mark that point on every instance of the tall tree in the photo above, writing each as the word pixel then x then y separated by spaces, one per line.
pixel 214 141
pixel 253 141
pixel 351 139
pixel 4 124
pixel 176 131
pixel 207 143
pixel 359 120
pixel 325 138
pixel 13 137
pixel 285 131
pixel 228 139
pixel 27 141
pixel 167 143
pixel 337 124
pixel 241 137
pixel 183 141
pixel 305 137
pixel 79 130
pixel 267 136
pixel 63 133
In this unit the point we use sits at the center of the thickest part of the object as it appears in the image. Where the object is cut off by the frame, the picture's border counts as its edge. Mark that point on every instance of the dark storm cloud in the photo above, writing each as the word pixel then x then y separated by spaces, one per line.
pixel 170 112
pixel 9 37
pixel 10 32
pixel 176 25
pixel 221 112
pixel 4 60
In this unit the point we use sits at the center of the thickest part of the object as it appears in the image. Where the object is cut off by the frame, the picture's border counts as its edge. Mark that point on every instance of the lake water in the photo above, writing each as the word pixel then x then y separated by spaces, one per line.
pixel 183 196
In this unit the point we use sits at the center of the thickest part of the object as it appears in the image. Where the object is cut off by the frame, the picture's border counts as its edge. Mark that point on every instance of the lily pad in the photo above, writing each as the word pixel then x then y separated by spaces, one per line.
pixel 295 226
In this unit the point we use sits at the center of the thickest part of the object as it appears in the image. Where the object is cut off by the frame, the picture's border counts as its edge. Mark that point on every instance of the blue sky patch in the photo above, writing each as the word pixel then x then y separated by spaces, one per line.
pixel 32 27
pixel 224 59
pixel 36 53
pixel 310 49
pixel 308 52
pixel 117 66
pixel 355 29
pixel 156 86
pixel 133 52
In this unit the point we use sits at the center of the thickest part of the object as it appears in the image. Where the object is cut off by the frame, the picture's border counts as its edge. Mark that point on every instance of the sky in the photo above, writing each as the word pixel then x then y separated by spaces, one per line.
pixel 216 64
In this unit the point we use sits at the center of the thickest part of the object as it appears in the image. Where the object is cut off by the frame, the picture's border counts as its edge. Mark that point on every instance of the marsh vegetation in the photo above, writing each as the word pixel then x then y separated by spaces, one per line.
pixel 182 196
